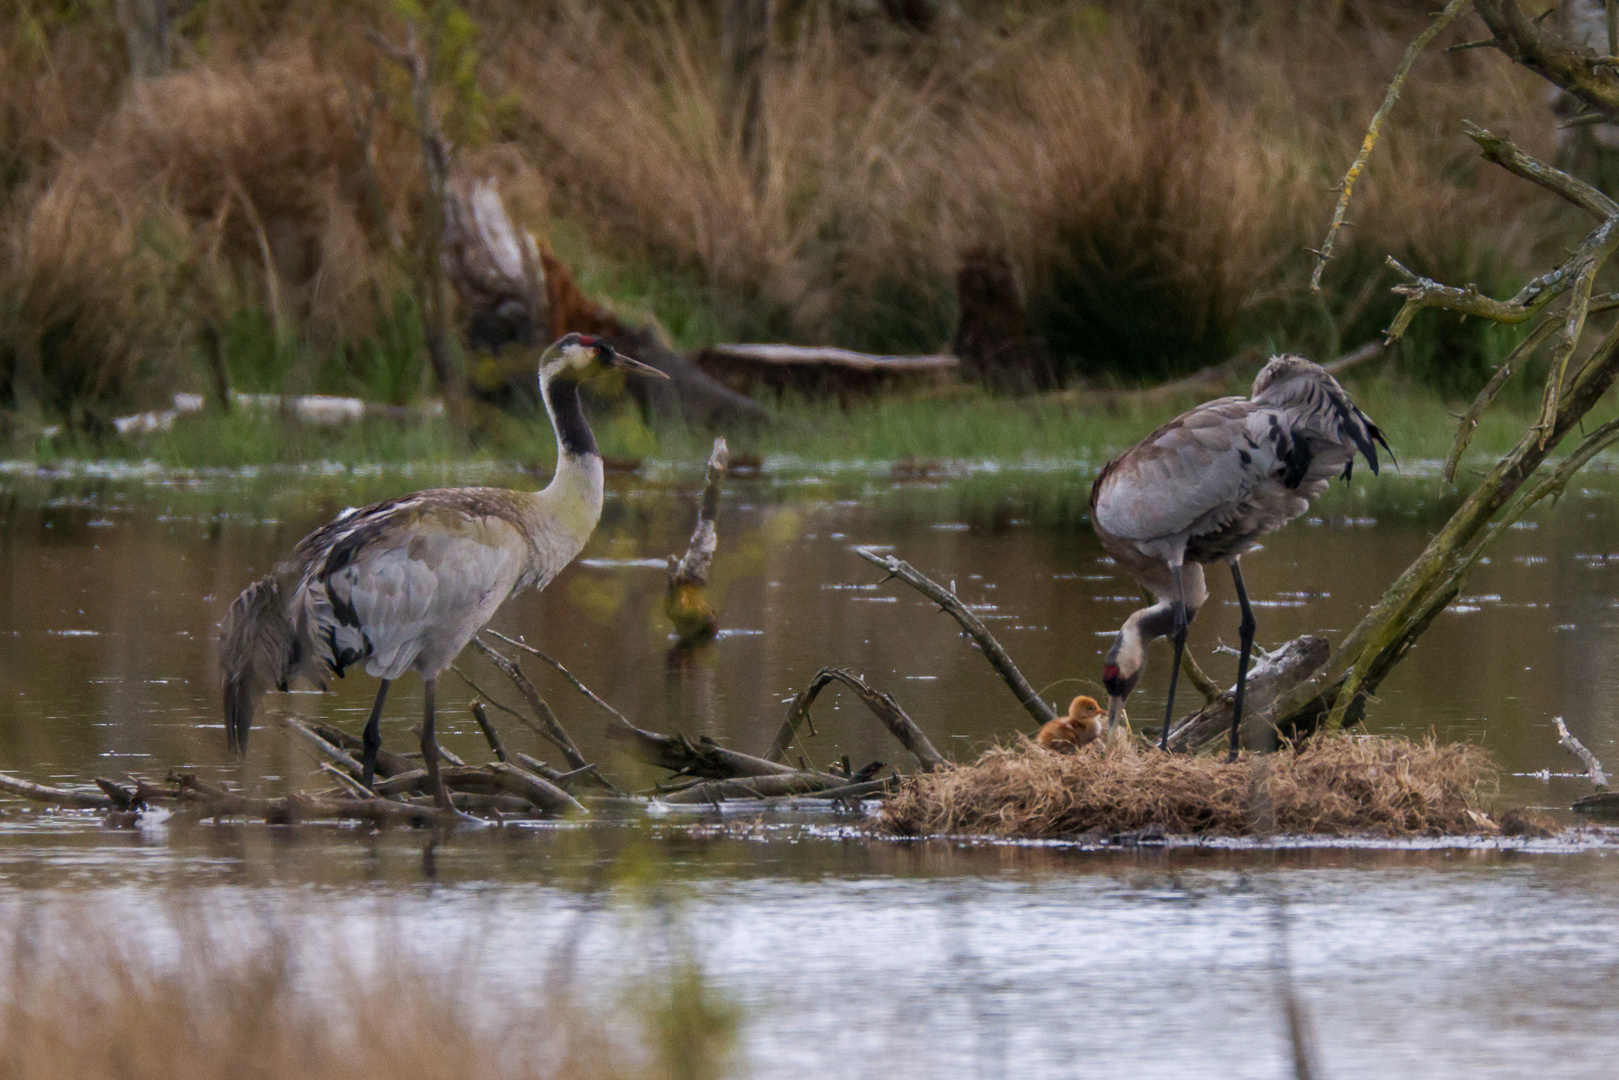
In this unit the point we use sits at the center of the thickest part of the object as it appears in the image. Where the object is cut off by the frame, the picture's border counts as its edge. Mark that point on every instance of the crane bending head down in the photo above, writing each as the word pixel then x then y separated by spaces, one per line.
pixel 1205 488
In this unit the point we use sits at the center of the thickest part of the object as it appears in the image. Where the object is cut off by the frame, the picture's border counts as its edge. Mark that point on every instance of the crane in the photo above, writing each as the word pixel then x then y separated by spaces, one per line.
pixel 405 584
pixel 1204 488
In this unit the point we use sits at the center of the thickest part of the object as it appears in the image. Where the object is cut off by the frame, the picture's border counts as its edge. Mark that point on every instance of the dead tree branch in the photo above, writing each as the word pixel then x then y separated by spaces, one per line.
pixel 1272 674
pixel 883 706
pixel 1550 56
pixel 490 735
pixel 1347 186
pixel 1578 377
pixel 550 727
pixel 1593 767
pixel 684 601
pixel 952 605
pixel 74 800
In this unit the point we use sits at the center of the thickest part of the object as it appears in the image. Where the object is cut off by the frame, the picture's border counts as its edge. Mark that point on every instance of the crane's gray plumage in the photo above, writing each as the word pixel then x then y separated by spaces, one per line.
pixel 405 584
pixel 1206 486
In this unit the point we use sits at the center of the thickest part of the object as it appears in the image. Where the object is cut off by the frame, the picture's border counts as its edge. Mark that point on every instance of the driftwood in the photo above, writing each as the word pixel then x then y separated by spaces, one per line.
pixel 951 604
pixel 1271 675
pixel 684 602
pixel 66 797
pixel 1593 767
pixel 820 369
pixel 1602 802
pixel 883 706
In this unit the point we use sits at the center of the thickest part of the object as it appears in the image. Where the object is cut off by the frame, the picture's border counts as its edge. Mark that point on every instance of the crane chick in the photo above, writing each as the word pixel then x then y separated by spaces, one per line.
pixel 1082 725
pixel 405 584
pixel 1204 488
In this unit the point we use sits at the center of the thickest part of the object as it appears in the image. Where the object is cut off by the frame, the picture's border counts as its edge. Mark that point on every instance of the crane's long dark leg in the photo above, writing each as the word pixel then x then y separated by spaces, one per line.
pixel 1179 612
pixel 430 746
pixel 1245 631
pixel 372 739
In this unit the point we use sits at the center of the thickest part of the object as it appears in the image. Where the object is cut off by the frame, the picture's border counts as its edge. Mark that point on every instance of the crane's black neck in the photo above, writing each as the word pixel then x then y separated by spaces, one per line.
pixel 568 417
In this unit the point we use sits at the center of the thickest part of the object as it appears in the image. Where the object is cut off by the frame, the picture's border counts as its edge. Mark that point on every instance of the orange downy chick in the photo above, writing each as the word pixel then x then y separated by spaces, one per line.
pixel 1083 724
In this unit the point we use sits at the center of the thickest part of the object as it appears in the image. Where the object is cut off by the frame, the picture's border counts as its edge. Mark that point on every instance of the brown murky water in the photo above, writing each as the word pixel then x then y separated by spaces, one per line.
pixel 934 959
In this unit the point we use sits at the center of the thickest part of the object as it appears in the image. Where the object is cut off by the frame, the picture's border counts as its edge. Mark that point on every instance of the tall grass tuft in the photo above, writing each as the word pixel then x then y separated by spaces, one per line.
pixel 197 998
pixel 1154 173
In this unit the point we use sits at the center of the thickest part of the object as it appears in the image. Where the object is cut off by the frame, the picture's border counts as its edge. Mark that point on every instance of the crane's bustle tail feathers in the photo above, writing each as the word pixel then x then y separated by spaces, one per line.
pixel 258 650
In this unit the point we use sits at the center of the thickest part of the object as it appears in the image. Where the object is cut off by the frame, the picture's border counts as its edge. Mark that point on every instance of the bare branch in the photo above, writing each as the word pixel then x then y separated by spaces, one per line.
pixel 882 705
pixel 550 726
pixel 1550 56
pixel 1501 151
pixel 491 736
pixel 1593 767
pixel 952 605
pixel 1346 188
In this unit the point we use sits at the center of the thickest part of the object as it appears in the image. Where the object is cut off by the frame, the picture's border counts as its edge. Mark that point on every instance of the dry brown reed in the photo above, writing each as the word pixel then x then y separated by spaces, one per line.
pixel 1380 786
pixel 82 1001
pixel 1155 174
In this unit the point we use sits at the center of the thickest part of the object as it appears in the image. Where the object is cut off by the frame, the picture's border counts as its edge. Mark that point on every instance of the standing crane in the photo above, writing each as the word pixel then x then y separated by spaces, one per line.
pixel 406 583
pixel 1204 488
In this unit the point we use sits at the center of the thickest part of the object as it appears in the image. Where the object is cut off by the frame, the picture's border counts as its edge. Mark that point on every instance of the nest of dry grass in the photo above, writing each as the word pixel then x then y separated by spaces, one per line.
pixel 1380 786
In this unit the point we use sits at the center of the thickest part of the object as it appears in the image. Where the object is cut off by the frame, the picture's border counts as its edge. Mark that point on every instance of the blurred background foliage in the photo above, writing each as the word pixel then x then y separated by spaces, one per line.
pixel 1154 173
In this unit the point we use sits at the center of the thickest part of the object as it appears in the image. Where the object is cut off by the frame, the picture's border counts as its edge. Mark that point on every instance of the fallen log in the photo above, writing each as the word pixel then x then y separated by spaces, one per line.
pixel 820 369
pixel 757 787
pixel 64 797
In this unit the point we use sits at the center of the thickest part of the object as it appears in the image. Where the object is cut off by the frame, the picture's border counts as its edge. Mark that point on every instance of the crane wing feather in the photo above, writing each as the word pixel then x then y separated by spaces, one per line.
pixel 406 581
pixel 1189 472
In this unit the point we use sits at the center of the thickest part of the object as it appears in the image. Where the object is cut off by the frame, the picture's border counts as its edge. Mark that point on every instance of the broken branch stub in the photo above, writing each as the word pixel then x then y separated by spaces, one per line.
pixel 1593 767
pixel 685 603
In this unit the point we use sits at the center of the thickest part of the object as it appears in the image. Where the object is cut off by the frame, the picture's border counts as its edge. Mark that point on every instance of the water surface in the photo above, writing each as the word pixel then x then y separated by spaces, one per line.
pixel 849 953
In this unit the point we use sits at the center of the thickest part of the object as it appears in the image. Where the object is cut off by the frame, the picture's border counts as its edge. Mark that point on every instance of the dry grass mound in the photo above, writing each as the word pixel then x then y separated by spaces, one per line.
pixel 1381 786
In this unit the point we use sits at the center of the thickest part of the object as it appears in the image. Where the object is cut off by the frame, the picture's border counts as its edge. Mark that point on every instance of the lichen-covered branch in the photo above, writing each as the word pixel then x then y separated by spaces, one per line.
pixel 1346 187
pixel 1500 150
pixel 1550 56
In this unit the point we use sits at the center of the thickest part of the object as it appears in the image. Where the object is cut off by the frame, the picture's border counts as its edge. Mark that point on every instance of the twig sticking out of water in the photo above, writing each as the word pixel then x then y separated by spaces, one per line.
pixel 952 605
pixel 882 705
pixel 1593 767
pixel 703 758
pixel 684 602
pixel 550 726
pixel 491 736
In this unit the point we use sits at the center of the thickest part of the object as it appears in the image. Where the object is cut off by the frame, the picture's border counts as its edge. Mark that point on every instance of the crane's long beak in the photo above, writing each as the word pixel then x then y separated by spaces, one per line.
pixel 625 363
pixel 1115 707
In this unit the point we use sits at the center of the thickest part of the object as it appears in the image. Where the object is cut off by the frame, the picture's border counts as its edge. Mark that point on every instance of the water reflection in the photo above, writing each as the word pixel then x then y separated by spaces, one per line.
pixel 111 587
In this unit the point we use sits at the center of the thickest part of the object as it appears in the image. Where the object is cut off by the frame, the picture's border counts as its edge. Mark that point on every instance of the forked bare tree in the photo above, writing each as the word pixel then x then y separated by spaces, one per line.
pixel 1566 320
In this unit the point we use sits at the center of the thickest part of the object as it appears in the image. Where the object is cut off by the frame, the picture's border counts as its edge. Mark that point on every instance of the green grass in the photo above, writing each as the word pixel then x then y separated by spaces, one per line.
pixel 960 425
